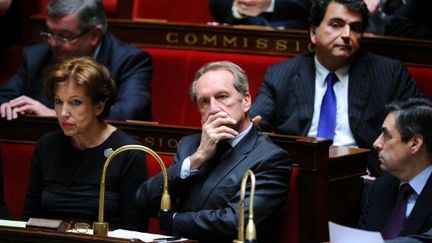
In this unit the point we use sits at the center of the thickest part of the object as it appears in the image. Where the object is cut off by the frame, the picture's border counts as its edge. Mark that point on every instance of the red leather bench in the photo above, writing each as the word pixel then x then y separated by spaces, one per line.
pixel 167 10
pixel 191 11
pixel 16 167
pixel 154 168
pixel 111 6
pixel 173 85
pixel 171 103
pixel 423 76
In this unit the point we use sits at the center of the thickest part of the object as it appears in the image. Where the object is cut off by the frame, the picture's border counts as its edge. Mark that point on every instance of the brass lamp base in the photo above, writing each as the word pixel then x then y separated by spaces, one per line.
pixel 100 228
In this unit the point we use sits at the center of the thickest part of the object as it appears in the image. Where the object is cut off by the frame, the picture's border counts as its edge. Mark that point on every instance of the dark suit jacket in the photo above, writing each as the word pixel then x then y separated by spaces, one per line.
pixel 381 201
pixel 208 203
pixel 130 68
pixel 287 14
pixel 286 97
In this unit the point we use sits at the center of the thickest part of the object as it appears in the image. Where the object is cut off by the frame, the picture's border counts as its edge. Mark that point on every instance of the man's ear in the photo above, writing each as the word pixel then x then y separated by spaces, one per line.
pixel 312 35
pixel 96 34
pixel 247 101
pixel 416 143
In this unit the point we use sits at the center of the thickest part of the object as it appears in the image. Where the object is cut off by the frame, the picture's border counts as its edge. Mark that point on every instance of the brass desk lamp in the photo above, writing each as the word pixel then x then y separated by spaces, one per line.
pixel 250 234
pixel 101 227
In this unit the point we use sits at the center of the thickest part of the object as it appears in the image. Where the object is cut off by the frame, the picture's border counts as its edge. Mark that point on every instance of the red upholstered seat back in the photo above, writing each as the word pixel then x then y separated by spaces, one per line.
pixel 16 169
pixel 154 168
pixel 190 11
pixel 289 227
pixel 111 6
pixel 174 70
pixel 423 76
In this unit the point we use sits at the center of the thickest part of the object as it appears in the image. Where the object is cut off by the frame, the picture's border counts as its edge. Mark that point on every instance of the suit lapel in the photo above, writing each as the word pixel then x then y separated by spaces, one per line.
pixel 421 212
pixel 227 164
pixel 358 90
pixel 385 204
pixel 104 54
pixel 304 89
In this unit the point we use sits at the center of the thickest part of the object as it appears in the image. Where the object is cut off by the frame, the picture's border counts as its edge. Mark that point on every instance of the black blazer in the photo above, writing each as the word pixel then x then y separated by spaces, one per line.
pixel 380 203
pixel 287 14
pixel 208 204
pixel 285 99
pixel 130 67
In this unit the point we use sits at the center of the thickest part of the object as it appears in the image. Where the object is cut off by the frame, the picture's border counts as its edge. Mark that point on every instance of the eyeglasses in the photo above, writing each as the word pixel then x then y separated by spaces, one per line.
pixel 47 36
pixel 82 228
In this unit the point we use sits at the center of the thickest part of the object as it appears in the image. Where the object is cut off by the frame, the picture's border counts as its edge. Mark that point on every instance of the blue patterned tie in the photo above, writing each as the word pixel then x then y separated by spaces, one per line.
pixel 327 119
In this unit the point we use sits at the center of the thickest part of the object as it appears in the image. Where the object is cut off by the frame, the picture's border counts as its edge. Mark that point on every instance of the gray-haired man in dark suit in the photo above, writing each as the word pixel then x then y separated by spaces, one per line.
pixel 207 170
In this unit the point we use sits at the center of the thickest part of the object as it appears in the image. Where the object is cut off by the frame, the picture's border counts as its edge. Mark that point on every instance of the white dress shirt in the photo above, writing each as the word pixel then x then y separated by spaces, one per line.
pixel 343 135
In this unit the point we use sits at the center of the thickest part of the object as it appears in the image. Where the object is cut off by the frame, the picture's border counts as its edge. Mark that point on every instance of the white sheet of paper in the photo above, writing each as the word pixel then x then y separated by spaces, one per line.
pixel 13 223
pixel 146 237
pixel 343 234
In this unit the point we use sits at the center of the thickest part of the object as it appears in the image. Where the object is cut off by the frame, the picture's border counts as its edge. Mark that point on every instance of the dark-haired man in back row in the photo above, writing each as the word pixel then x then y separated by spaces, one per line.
pixel 295 99
pixel 399 202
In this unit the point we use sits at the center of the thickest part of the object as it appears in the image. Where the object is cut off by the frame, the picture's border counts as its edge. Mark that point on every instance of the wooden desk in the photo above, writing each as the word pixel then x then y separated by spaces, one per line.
pixel 26 235
pixel 329 185
pixel 18 235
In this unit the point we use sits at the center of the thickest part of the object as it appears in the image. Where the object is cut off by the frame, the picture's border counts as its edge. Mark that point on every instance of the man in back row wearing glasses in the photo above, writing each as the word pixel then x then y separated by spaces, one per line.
pixel 76 28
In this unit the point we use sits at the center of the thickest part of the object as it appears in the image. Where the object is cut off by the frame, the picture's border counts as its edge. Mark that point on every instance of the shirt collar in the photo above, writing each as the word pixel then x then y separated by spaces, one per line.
pixel 239 137
pixel 96 52
pixel 322 72
pixel 271 7
pixel 419 181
